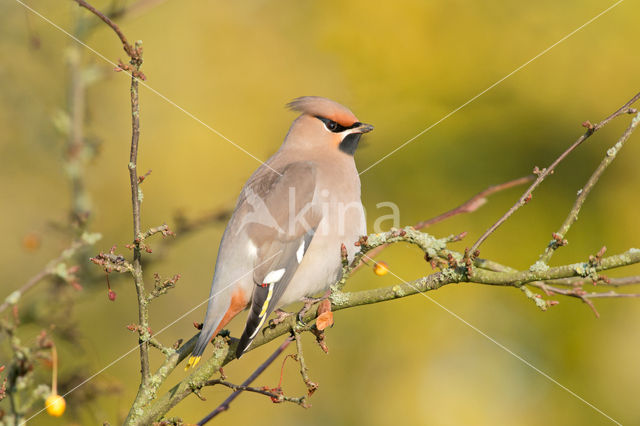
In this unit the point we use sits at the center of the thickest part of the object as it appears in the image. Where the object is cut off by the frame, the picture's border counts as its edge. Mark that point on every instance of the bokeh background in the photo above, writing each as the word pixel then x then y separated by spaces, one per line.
pixel 400 66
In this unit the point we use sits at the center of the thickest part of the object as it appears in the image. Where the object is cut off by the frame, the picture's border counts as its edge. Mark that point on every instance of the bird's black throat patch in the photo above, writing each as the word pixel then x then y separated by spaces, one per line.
pixel 350 143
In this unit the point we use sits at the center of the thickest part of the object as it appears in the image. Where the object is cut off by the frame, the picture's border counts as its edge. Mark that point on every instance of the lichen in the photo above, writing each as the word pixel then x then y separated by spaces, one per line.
pixel 397 290
pixel 449 274
pixel 91 237
pixel 581 269
pixel 339 298
pixel 61 270
pixel 539 266
pixel 13 298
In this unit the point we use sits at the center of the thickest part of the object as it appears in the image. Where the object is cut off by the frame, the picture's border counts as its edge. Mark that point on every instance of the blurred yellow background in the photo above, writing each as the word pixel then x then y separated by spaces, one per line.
pixel 400 66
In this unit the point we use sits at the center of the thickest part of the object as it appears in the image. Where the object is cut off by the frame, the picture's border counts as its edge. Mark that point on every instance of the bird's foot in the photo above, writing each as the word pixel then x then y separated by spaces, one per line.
pixel 281 316
pixel 308 303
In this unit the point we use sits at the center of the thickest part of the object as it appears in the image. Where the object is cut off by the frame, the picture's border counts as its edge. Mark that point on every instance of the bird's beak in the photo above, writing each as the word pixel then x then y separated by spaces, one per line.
pixel 363 128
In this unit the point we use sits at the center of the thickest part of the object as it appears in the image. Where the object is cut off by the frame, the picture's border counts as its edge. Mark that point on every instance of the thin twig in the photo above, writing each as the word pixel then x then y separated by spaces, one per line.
pixel 275 396
pixel 586 189
pixel 304 372
pixel 475 202
pixel 135 54
pixel 125 43
pixel 580 293
pixel 610 282
pixel 225 404
pixel 546 172
pixel 136 199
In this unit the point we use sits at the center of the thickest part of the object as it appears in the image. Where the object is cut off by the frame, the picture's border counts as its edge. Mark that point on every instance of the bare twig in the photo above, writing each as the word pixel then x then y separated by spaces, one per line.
pixel 227 402
pixel 131 52
pixel 135 55
pixel 610 282
pixel 580 293
pixel 586 189
pixel 475 202
pixel 542 175
pixel 311 386
pixel 276 396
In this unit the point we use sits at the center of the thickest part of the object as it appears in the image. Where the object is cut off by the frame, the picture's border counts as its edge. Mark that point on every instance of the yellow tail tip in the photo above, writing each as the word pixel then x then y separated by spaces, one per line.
pixel 192 362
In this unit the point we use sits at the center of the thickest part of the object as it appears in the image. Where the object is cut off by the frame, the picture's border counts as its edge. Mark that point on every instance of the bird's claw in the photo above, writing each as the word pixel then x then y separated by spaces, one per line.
pixel 281 316
pixel 308 302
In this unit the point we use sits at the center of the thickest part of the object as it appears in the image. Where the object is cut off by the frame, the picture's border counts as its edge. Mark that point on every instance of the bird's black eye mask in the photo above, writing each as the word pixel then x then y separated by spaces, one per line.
pixel 334 127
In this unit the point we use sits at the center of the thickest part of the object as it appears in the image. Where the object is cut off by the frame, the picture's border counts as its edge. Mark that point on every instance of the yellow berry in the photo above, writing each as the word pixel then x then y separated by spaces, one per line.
pixel 380 268
pixel 55 405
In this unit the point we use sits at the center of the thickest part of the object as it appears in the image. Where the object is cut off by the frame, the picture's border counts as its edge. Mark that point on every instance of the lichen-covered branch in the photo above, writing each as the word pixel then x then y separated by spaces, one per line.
pixel 346 300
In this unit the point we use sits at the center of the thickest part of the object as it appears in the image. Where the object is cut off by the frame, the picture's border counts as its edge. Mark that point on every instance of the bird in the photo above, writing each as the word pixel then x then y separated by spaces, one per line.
pixel 283 241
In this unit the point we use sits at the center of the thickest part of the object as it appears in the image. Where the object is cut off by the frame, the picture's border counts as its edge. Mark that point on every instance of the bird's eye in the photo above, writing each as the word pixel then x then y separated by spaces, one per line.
pixel 331 125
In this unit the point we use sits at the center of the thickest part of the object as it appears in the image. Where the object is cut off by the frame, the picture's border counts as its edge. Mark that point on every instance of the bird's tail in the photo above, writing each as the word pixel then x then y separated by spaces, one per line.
pixel 201 345
pixel 262 305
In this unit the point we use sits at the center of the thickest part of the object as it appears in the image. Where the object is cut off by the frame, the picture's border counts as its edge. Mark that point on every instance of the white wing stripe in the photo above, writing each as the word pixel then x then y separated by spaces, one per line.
pixel 300 252
pixel 274 276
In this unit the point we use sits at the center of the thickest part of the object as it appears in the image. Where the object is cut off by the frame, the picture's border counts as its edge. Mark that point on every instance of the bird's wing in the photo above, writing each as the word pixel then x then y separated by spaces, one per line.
pixel 281 239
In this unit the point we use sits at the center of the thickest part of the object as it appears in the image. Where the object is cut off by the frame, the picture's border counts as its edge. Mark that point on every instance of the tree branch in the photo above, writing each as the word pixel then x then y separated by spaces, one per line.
pixel 130 50
pixel 542 174
pixel 227 402
pixel 345 300
pixel 586 189
pixel 135 55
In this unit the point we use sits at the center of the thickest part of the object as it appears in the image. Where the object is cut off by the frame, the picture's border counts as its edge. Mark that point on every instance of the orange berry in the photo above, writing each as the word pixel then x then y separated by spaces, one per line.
pixel 380 268
pixel 55 405
pixel 31 242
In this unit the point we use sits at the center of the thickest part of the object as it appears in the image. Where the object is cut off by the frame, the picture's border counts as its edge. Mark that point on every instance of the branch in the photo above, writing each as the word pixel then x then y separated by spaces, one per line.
pixel 275 396
pixel 224 352
pixel 611 282
pixel 586 189
pixel 475 202
pixel 227 402
pixel 542 174
pixel 131 52
pixel 135 55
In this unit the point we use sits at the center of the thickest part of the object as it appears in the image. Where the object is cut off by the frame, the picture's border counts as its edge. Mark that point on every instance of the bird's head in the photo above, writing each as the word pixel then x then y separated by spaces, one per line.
pixel 325 124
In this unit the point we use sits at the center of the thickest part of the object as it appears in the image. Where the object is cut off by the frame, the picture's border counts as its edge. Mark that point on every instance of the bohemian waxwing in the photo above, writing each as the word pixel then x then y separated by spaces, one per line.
pixel 283 240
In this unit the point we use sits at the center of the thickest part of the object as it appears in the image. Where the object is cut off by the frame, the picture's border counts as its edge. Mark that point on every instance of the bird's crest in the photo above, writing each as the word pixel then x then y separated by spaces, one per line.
pixel 323 107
